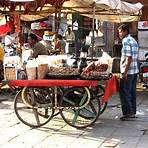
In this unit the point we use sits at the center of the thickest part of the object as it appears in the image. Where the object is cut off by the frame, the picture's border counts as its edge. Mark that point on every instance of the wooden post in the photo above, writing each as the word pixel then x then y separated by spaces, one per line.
pixel 57 18
pixel 93 29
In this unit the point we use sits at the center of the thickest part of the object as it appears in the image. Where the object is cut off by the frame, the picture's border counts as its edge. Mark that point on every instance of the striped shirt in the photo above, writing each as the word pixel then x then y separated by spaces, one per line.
pixel 129 48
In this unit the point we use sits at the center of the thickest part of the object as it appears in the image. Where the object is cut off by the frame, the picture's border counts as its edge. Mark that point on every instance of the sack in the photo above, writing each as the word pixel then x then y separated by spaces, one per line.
pixel 22 75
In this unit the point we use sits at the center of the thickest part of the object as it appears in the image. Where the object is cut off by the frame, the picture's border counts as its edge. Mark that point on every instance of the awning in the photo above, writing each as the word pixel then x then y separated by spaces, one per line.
pixel 106 10
pixel 27 17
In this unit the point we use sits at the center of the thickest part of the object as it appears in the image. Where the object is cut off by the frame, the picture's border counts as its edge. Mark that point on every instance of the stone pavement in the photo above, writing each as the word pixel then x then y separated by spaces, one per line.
pixel 107 132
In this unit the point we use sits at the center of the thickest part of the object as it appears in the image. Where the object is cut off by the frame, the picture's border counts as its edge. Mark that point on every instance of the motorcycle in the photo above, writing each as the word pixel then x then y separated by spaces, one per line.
pixel 144 71
pixel 10 50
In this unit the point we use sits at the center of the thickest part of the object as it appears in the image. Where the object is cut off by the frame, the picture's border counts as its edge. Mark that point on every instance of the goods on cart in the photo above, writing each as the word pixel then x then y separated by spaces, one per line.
pixel 37 68
pixel 100 69
pixel 11 66
pixel 57 60
pixel 42 66
pixel 31 69
pixel 10 73
pixel 42 70
pixel 63 72
pixel 95 71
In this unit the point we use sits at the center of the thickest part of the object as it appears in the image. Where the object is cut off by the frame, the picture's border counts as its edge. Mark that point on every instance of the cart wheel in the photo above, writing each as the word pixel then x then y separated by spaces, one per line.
pixel 91 110
pixel 86 112
pixel 97 92
pixel 33 114
pixel 59 96
pixel 100 95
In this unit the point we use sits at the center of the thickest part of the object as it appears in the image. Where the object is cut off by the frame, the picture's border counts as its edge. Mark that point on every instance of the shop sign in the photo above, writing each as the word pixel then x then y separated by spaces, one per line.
pixel 143 25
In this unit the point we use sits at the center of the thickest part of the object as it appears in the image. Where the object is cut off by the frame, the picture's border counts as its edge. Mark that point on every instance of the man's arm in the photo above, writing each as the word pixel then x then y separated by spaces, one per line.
pixel 129 60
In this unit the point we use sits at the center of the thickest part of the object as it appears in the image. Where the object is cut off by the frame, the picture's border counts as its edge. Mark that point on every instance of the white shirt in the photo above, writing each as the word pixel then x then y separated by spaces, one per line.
pixel 70 37
pixel 75 25
pixel 9 40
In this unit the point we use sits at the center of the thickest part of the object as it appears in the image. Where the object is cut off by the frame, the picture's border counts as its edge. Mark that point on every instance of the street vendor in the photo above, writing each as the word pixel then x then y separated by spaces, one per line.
pixel 37 47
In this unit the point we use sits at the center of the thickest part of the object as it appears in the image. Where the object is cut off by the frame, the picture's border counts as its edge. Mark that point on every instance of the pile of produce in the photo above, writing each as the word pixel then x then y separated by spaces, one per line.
pixel 63 71
pixel 95 69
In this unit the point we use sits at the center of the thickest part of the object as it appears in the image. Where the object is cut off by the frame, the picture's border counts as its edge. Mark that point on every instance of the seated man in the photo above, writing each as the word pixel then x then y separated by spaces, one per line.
pixel 37 47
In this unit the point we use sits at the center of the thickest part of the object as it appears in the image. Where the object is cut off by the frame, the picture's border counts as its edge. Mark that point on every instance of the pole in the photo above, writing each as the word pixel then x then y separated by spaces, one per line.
pixel 93 29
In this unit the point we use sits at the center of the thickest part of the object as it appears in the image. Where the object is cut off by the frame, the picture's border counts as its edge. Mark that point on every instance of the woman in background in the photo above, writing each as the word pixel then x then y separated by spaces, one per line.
pixel 60 45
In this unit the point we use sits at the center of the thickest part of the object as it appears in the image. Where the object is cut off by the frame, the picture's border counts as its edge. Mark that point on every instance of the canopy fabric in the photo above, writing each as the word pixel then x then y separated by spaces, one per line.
pixel 28 6
pixel 106 10
pixel 27 17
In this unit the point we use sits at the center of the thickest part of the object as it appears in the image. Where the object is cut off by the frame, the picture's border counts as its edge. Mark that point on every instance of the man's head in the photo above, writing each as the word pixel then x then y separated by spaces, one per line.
pixel 59 37
pixel 123 31
pixel 32 39
pixel 69 30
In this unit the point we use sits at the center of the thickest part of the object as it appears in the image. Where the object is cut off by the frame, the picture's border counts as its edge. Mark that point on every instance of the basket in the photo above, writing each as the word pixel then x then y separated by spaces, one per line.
pixel 97 76
pixel 10 73
pixel 31 73
pixel 42 70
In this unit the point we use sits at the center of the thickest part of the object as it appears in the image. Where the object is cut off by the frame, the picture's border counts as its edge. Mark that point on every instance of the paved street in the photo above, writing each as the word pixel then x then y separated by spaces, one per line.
pixel 107 132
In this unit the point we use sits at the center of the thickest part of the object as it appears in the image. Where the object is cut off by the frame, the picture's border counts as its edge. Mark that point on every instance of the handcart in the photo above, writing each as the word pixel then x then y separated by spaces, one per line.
pixel 78 101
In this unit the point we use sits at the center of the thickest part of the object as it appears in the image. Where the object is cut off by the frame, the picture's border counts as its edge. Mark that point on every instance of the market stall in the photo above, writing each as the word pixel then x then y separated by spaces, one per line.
pixel 76 92
pixel 77 96
pixel 78 101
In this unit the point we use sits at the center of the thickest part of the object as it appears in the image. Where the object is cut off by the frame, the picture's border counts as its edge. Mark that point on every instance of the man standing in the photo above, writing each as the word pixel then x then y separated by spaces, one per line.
pixel 69 35
pixel 129 71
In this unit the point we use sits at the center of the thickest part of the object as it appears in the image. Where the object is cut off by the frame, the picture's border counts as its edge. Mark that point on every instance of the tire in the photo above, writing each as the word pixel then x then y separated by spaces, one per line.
pixel 86 112
pixel 31 112
pixel 59 96
pixel 100 96
pixel 98 93
pixel 91 110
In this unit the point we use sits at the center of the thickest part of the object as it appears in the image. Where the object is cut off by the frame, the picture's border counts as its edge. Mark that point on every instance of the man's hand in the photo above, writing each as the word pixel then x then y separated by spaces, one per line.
pixel 125 75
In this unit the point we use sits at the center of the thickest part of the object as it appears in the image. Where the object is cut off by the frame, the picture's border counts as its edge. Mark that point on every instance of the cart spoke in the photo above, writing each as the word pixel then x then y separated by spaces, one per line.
pixel 36 116
pixel 66 100
pixel 74 120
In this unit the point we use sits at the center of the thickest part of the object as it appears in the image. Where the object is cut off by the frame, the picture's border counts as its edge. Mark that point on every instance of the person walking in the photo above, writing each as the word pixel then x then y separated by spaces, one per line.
pixel 129 70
